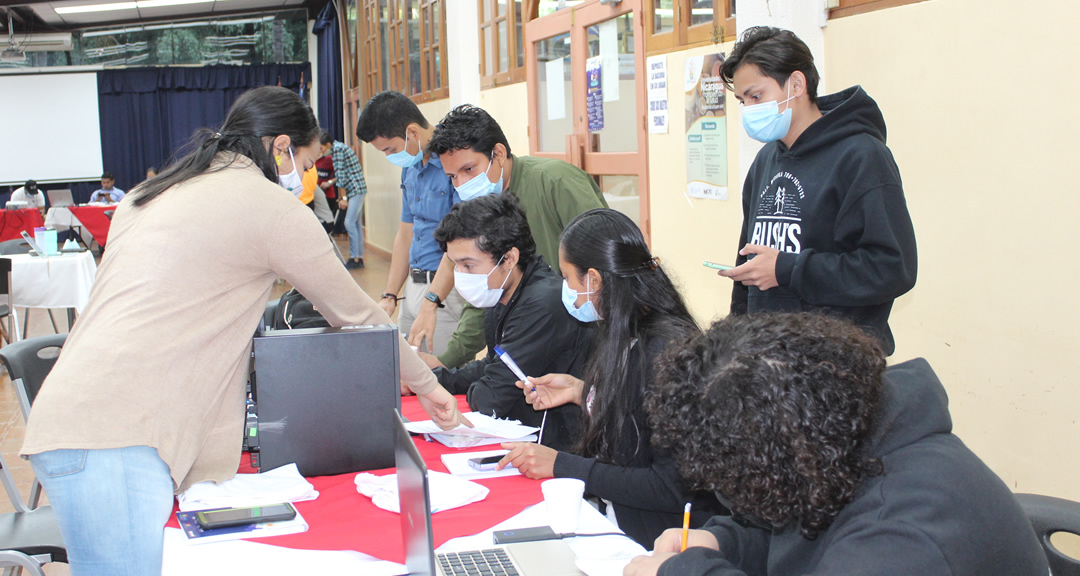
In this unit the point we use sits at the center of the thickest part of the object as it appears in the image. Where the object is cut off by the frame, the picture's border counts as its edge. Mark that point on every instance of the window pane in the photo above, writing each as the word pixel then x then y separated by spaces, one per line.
pixel 617 75
pixel 489 53
pixel 504 48
pixel 412 13
pixel 519 35
pixel 553 92
pixel 663 16
pixel 701 12
pixel 501 7
pixel 384 43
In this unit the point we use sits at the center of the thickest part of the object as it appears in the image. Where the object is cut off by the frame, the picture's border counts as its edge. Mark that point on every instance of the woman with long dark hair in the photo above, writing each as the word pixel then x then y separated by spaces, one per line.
pixel 148 395
pixel 611 278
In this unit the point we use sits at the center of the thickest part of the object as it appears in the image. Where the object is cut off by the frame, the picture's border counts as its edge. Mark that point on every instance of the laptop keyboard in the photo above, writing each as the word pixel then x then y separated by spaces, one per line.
pixel 490 562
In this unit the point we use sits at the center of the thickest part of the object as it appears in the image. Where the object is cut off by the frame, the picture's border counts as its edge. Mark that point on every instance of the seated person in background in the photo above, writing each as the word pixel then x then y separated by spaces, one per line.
pixel 612 280
pixel 832 464
pixel 30 194
pixel 496 268
pixel 314 197
pixel 108 193
pixel 151 172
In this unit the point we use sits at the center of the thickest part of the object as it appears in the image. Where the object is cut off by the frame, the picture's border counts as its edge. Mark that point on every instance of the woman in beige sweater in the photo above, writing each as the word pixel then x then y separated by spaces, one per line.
pixel 148 395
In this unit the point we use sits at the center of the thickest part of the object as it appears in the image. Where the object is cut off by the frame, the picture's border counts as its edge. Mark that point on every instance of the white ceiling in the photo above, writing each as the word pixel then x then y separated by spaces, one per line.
pixel 46 11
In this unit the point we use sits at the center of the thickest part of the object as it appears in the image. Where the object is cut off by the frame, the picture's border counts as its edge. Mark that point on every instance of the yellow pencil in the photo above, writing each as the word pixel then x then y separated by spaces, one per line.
pixel 685 525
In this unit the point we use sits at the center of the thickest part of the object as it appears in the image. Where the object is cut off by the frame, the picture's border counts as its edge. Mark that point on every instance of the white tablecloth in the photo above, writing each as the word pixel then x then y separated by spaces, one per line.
pixel 61 281
pixel 60 219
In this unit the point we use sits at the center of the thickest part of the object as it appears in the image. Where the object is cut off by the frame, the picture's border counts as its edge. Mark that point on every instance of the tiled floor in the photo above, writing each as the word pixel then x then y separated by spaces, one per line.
pixel 372 279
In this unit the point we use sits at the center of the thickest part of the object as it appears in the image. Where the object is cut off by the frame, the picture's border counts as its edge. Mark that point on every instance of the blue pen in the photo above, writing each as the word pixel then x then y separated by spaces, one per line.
pixel 505 357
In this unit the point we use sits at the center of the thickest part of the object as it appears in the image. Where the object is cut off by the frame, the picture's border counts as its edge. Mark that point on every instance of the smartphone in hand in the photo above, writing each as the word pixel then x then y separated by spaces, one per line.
pixel 716 266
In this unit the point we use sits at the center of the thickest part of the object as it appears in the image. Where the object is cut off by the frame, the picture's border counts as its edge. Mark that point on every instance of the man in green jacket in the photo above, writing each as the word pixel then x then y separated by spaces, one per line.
pixel 476 156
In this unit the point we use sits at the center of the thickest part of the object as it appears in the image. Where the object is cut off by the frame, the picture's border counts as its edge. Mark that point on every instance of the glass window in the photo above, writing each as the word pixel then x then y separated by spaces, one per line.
pixel 680 23
pixel 502 41
pixel 404 48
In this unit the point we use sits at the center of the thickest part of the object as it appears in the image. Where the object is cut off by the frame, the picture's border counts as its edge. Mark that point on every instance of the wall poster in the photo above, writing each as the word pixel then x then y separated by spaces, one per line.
pixel 706 128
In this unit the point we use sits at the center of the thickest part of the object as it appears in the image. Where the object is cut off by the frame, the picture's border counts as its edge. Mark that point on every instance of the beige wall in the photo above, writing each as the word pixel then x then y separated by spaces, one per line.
pixel 685 231
pixel 990 190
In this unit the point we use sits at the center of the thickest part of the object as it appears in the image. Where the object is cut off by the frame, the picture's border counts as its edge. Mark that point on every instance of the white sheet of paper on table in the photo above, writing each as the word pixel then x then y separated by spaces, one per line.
pixel 458 465
pixel 483 427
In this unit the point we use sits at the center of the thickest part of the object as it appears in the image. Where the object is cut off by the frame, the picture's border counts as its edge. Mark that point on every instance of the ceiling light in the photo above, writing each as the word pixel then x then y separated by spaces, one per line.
pixel 126 5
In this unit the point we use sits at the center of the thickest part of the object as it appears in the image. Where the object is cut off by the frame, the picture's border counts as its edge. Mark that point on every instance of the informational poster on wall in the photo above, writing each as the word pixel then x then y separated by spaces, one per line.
pixel 594 92
pixel 706 128
pixel 656 72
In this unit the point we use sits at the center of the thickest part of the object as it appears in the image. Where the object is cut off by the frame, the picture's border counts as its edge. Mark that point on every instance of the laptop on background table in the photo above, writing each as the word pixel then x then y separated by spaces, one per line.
pixel 58 198
pixel 543 558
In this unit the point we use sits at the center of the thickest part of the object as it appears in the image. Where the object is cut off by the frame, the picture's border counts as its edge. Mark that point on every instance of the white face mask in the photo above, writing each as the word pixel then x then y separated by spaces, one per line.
pixel 474 287
pixel 292 181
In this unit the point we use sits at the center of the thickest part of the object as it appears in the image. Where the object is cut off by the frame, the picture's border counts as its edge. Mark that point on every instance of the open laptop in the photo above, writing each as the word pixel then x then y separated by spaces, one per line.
pixel 544 558
pixel 59 198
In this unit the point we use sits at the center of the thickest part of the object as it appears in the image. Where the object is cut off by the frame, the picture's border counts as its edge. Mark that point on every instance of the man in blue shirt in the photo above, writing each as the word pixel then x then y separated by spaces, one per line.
pixel 107 193
pixel 393 124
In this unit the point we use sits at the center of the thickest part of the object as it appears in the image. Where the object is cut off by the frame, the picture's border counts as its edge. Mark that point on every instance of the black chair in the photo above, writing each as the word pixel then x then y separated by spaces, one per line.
pixel 28 537
pixel 1049 515
pixel 28 362
pixel 6 309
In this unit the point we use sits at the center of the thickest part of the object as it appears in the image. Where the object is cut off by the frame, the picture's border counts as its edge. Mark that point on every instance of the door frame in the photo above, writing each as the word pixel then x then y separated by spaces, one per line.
pixel 576 21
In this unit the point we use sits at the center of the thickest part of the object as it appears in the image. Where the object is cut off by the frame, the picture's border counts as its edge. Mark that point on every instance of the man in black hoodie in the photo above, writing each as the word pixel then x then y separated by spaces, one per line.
pixel 825 224
pixel 830 463
pixel 497 269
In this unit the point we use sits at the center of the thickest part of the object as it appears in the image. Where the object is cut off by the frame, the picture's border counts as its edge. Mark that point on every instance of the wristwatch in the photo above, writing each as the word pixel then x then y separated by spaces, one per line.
pixel 433 297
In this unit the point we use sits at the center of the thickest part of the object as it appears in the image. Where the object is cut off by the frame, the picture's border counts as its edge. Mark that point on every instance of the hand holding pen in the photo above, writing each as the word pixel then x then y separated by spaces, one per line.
pixel 551 390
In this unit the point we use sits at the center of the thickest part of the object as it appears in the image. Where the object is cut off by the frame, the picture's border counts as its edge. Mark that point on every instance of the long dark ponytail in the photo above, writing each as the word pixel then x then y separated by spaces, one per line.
pixel 264 112
pixel 637 303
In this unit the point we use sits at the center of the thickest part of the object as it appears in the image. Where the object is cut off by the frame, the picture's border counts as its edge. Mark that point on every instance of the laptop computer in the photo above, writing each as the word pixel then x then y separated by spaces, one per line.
pixel 60 197
pixel 543 558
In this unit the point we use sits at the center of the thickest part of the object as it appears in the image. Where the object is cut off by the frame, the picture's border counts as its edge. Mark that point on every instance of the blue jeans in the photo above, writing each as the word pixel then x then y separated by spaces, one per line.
pixel 352 225
pixel 112 506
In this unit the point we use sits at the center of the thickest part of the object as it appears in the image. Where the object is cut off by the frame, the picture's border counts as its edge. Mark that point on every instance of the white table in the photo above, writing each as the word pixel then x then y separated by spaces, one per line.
pixel 251 557
pixel 61 219
pixel 61 281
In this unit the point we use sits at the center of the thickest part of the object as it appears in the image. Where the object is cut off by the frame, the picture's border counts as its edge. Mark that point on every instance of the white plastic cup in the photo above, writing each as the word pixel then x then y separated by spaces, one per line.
pixel 562 497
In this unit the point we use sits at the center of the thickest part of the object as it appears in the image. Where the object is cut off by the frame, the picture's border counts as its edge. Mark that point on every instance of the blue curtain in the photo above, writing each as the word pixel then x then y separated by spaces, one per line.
pixel 148 114
pixel 330 104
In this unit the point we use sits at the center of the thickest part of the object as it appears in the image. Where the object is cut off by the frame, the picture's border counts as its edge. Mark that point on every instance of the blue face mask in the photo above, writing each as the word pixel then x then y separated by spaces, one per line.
pixel 480 185
pixel 764 123
pixel 403 158
pixel 587 312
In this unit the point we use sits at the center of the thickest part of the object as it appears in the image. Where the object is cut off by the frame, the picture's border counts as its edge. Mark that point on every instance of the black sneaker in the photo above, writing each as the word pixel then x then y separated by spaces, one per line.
pixel 355 264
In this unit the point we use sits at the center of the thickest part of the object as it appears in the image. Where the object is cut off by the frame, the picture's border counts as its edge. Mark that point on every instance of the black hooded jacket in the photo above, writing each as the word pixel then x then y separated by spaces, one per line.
pixel 937 510
pixel 834 207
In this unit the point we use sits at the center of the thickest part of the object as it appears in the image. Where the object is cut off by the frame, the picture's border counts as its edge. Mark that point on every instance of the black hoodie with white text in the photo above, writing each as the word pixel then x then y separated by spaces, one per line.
pixel 834 206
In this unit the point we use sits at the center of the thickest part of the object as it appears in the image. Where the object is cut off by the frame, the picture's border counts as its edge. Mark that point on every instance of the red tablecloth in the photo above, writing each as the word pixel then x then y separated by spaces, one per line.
pixel 13 222
pixel 94 220
pixel 343 519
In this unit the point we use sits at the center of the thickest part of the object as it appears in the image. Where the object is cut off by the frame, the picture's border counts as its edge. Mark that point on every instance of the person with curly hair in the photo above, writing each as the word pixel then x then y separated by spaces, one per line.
pixel 830 462
pixel 612 280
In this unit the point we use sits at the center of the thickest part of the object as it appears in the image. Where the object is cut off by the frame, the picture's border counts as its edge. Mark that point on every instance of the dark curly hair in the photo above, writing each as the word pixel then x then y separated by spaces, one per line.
pixel 497 223
pixel 777 53
pixel 774 412
pixel 470 127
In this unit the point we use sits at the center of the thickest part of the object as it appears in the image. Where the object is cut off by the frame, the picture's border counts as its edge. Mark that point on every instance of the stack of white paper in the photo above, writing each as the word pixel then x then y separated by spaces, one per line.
pixel 485 430
pixel 284 484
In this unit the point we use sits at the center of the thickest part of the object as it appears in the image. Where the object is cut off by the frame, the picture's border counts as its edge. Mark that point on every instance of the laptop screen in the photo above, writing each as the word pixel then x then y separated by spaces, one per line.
pixel 413 496
pixel 60 197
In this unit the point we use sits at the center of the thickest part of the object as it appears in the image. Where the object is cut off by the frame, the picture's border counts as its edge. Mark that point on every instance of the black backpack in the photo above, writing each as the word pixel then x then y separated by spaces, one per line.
pixel 294 311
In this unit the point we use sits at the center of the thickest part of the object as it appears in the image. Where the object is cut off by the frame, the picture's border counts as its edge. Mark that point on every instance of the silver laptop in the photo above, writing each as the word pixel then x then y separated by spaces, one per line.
pixel 544 558
pixel 60 197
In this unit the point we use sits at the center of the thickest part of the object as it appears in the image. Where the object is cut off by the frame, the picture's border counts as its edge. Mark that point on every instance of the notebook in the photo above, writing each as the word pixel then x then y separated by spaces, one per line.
pixel 60 198
pixel 544 558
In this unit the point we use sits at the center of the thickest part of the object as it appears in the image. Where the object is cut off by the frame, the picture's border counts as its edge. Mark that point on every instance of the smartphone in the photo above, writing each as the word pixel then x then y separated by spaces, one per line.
pixel 485 462
pixel 524 535
pixel 708 264
pixel 211 519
